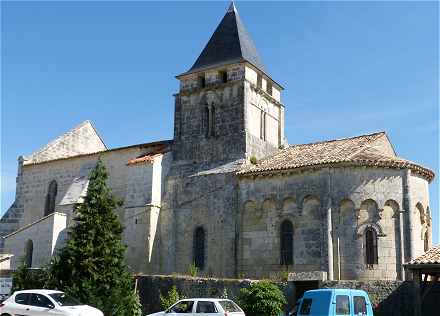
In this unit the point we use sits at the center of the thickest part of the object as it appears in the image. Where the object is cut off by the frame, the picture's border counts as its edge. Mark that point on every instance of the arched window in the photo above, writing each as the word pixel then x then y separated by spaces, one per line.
pixel 212 127
pixel 29 252
pixel 370 246
pixel 199 248
pixel 262 125
pixel 207 121
pixel 50 198
pixel 210 120
pixel 286 241
pixel 426 241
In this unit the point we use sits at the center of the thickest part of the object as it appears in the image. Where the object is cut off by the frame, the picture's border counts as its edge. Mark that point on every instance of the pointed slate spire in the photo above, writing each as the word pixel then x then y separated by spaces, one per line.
pixel 230 43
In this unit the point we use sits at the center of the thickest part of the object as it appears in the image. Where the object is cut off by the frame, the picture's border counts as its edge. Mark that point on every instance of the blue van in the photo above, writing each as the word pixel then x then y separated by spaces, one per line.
pixel 335 302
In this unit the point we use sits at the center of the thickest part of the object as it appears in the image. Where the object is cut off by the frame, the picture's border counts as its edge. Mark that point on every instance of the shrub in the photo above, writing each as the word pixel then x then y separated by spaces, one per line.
pixel 26 279
pixel 253 160
pixel 262 299
pixel 170 298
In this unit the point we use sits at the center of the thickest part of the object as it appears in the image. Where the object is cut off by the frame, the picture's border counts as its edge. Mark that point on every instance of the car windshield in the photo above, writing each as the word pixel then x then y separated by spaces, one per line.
pixel 65 300
pixel 181 307
pixel 230 307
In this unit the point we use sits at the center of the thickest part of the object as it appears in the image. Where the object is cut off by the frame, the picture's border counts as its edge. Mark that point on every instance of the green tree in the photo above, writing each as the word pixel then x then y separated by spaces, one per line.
pixel 170 298
pixel 91 266
pixel 262 299
pixel 25 279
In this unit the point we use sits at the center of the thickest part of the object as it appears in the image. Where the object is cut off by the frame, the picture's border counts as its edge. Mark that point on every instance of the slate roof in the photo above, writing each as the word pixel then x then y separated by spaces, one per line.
pixel 76 191
pixel 355 151
pixel 230 43
pixel 432 256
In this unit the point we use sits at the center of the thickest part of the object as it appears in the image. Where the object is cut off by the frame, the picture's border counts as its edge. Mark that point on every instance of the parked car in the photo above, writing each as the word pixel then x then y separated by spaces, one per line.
pixel 45 303
pixel 329 302
pixel 206 306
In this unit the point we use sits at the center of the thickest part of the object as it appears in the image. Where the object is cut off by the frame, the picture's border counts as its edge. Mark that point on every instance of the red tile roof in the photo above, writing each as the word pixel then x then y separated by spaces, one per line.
pixel 429 257
pixel 354 151
pixel 149 157
pixel 141 146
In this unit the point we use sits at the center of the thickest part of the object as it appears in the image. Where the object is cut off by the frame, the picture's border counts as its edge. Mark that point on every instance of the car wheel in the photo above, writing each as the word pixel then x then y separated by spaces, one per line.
pixel 5 315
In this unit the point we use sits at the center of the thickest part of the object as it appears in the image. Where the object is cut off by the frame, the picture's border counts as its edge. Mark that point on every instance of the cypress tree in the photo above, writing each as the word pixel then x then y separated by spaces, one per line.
pixel 91 266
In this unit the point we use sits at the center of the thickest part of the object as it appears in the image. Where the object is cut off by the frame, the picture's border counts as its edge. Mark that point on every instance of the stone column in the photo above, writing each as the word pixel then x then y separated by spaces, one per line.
pixel 329 240
pixel 410 216
pixel 402 248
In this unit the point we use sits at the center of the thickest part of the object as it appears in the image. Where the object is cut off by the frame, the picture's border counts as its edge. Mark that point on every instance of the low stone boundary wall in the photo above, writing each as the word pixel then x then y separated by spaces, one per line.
pixel 150 288
pixel 393 298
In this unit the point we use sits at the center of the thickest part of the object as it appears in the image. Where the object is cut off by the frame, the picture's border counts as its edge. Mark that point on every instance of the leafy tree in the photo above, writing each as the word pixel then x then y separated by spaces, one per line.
pixel 262 299
pixel 91 266
pixel 170 298
pixel 25 279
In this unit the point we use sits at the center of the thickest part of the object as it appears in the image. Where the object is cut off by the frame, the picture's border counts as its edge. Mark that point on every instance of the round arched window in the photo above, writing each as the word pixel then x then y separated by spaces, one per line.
pixel 286 242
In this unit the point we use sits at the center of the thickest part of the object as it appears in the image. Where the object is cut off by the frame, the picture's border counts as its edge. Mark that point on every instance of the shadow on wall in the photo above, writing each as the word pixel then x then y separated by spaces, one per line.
pixel 61 240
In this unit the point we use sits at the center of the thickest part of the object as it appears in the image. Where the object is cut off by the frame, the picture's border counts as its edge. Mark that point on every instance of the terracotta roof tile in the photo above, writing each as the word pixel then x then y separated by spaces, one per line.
pixel 149 157
pixel 429 257
pixel 101 152
pixel 354 151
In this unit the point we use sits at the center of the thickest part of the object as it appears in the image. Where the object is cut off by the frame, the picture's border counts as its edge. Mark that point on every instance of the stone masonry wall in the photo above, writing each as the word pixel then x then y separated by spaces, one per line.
pixel 359 197
pixel 193 140
pixel 131 184
pixel 198 197
pixel 10 221
pixel 47 235
pixel 422 224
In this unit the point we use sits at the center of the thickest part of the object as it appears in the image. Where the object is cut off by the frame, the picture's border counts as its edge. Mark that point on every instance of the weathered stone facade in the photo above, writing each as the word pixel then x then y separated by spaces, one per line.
pixel 357 197
pixel 352 208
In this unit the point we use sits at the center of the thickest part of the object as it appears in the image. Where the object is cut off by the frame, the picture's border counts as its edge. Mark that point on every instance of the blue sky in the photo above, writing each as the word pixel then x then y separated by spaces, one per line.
pixel 348 68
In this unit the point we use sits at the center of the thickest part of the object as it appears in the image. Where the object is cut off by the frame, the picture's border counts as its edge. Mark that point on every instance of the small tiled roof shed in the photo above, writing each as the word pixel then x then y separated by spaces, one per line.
pixel 428 264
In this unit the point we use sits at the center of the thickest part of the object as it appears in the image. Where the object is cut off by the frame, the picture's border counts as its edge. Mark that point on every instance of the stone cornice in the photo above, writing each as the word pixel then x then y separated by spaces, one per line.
pixel 425 172
pixel 220 85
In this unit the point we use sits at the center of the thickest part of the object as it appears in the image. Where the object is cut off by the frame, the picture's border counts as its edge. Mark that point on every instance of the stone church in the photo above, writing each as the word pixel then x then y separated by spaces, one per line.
pixel 228 194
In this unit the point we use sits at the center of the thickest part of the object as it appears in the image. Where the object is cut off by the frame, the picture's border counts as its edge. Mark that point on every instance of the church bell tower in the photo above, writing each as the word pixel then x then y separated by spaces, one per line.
pixel 227 108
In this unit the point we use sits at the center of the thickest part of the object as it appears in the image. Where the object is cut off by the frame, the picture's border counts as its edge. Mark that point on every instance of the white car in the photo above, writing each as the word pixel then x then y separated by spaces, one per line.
pixel 45 303
pixel 205 306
